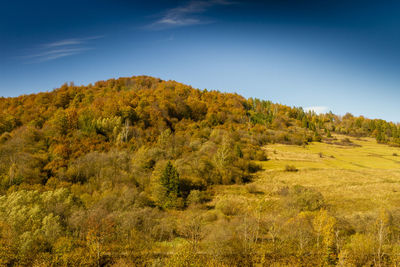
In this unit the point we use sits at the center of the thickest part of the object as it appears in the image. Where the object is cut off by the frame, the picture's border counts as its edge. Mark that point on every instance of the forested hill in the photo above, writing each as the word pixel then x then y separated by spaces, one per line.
pixel 55 128
pixel 132 113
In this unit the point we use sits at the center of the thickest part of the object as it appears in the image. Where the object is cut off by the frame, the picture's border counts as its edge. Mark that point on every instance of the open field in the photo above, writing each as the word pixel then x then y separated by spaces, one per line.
pixel 368 155
pixel 354 180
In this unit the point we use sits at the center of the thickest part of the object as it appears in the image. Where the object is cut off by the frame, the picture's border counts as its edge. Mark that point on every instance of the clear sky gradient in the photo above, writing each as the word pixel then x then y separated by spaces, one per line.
pixel 339 55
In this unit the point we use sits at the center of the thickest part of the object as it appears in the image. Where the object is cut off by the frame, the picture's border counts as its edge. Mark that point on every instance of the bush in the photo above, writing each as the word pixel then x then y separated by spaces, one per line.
pixel 230 207
pixel 317 137
pixel 210 216
pixel 253 167
pixel 252 189
pixel 197 197
pixel 4 137
pixel 304 199
pixel 261 156
pixel 247 167
pixel 346 140
pixel 291 168
pixel 359 251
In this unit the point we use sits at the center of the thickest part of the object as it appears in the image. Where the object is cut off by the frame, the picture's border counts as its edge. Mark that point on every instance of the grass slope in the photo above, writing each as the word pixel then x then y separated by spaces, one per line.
pixel 368 155
pixel 356 181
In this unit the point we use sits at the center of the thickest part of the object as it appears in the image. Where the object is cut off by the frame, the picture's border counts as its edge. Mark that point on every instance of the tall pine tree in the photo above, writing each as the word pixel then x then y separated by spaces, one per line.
pixel 170 181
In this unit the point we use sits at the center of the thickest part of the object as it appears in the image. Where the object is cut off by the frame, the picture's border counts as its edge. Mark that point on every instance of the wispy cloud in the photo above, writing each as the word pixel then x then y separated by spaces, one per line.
pixel 60 49
pixel 317 109
pixel 186 15
pixel 72 41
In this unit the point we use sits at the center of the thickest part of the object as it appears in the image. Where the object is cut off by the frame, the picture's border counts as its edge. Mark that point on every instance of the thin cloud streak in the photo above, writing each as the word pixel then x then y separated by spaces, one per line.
pixel 186 15
pixel 73 41
pixel 60 49
pixel 64 42
pixel 58 53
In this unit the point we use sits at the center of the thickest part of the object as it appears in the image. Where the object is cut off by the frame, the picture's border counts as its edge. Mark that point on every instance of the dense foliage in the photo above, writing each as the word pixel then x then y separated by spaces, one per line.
pixel 108 173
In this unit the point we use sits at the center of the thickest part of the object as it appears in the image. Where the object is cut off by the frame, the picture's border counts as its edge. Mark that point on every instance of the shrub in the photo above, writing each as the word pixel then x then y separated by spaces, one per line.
pixel 4 137
pixel 210 216
pixel 359 251
pixel 304 198
pixel 317 137
pixel 253 167
pixel 261 156
pixel 198 197
pixel 245 168
pixel 252 189
pixel 291 168
pixel 230 207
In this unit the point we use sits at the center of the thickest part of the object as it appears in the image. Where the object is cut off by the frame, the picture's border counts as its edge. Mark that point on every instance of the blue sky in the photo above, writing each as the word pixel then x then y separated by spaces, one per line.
pixel 339 55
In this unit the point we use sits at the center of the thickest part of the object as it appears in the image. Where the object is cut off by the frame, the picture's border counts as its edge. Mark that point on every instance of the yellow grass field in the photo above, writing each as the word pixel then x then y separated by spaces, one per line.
pixel 354 180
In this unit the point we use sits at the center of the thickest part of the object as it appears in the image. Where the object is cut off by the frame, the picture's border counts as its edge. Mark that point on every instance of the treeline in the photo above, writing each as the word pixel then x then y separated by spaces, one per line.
pixel 110 173
pixel 280 117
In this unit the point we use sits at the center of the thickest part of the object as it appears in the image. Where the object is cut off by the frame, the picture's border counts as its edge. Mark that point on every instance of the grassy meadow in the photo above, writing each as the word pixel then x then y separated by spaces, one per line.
pixel 352 179
pixel 356 180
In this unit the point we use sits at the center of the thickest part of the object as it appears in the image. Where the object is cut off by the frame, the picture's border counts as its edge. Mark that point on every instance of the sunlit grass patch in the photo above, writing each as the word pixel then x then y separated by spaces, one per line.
pixel 352 179
pixel 367 155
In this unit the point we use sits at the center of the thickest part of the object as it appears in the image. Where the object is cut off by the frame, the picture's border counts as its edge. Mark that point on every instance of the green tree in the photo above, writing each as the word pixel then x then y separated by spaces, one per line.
pixel 170 180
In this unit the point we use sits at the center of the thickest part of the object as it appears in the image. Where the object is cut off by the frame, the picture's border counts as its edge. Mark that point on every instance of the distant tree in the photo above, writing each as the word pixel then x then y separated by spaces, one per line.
pixel 170 182
pixel 304 122
pixel 60 122
pixel 62 98
pixel 324 226
pixel 238 151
